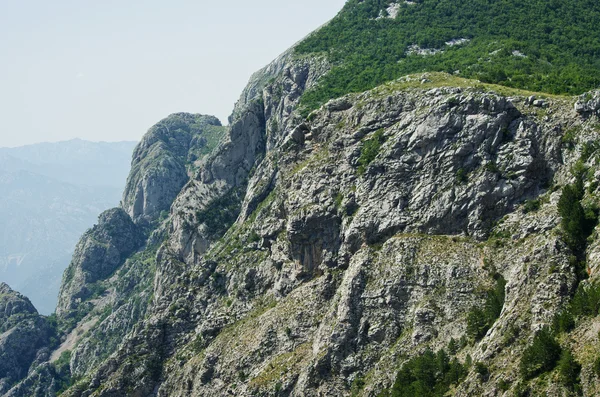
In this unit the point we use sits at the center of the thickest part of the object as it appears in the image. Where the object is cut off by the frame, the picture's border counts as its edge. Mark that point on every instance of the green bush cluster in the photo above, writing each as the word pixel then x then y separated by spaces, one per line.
pixel 589 148
pixel 480 320
pixel 492 167
pixel 428 375
pixel 253 237
pixel 563 321
pixel 541 356
pixel 539 45
pixel 577 223
pixel 531 206
pixel 596 366
pixel 569 371
pixel 585 303
pixel 569 138
pixel 544 355
pixel 357 385
pixel 482 370
pixel 370 150
pixel 220 214
pixel 462 176
pixel 62 371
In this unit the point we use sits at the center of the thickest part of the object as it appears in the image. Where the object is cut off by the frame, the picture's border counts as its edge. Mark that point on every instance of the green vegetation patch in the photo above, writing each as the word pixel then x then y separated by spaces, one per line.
pixel 480 320
pixel 62 371
pixel 212 135
pixel 428 375
pixel 281 365
pixel 585 303
pixel 576 224
pixel 462 176
pixel 541 356
pixel 569 371
pixel 537 45
pixel 221 213
pixel 370 150
pixel 531 206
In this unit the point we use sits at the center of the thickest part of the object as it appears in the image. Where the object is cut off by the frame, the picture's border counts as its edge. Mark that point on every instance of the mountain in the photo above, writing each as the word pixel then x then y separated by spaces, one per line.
pixel 51 193
pixel 425 234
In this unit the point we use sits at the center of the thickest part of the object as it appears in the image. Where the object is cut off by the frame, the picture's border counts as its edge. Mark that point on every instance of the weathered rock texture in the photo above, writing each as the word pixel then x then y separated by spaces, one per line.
pixel 313 256
pixel 161 162
pixel 100 252
pixel 23 336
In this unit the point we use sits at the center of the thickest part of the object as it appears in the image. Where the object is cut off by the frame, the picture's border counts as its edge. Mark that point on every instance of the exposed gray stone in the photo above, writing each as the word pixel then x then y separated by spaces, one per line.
pixel 98 254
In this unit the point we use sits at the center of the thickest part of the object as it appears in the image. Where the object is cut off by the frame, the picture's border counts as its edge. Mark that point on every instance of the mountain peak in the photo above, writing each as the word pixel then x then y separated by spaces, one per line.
pixel 163 160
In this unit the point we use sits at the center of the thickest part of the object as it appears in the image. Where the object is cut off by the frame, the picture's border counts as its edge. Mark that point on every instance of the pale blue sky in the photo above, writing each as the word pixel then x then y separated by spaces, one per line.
pixel 108 70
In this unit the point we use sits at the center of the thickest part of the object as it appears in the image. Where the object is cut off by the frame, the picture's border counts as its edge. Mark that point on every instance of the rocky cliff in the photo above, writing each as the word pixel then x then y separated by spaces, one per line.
pixel 319 254
pixel 101 251
pixel 24 337
pixel 162 161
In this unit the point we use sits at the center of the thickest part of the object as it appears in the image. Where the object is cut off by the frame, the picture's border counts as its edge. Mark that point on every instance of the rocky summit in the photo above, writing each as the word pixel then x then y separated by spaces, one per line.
pixel 429 235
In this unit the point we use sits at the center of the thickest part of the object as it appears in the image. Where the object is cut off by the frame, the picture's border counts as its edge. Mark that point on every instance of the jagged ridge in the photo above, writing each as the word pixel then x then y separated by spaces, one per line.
pixel 337 265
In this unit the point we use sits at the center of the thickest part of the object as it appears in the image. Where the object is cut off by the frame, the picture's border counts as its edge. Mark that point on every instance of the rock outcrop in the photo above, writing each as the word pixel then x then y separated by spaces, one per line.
pixel 588 104
pixel 23 336
pixel 163 160
pixel 98 254
pixel 259 121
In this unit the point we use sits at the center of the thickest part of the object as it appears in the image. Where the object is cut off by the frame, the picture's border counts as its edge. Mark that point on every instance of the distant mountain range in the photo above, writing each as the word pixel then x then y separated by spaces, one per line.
pixel 50 194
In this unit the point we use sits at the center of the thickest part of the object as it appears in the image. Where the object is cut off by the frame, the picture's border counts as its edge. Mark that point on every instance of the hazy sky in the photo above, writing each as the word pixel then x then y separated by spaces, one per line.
pixel 108 70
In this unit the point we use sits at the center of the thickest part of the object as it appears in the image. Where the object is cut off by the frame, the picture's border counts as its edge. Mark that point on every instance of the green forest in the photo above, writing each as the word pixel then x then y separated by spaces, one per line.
pixel 550 46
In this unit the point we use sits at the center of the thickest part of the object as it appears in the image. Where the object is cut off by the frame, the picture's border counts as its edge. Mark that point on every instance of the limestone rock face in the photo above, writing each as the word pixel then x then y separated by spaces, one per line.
pixel 23 333
pixel 13 303
pixel 312 256
pixel 588 104
pixel 160 164
pixel 258 124
pixel 306 259
pixel 449 161
pixel 98 254
pixel 39 383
